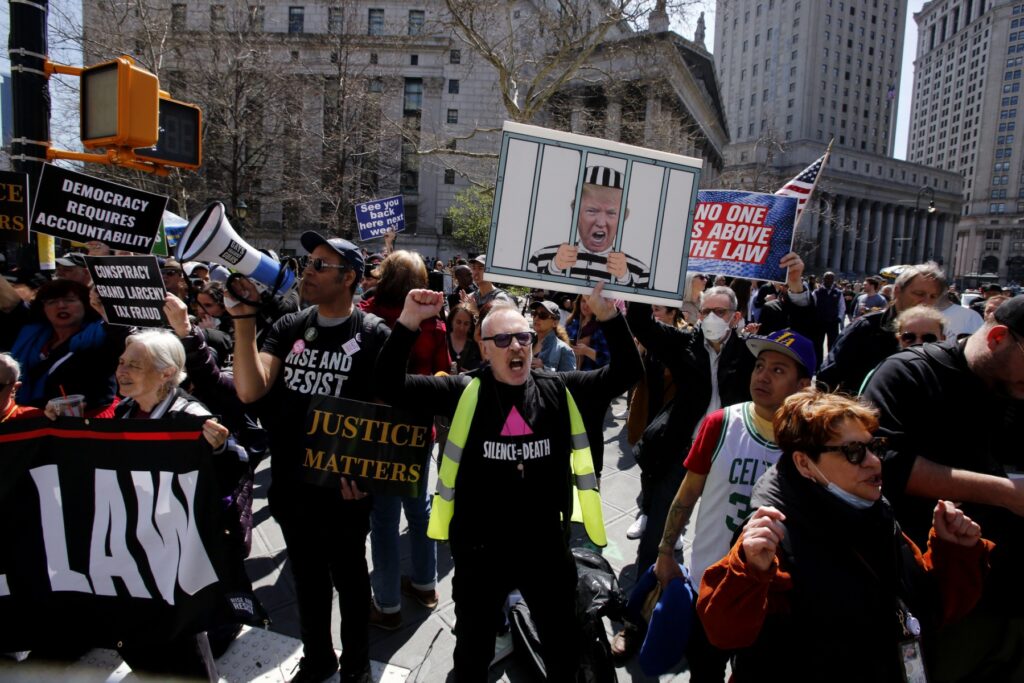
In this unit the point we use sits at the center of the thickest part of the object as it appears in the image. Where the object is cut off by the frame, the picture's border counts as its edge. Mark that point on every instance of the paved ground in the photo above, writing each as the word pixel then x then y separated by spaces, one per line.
pixel 424 644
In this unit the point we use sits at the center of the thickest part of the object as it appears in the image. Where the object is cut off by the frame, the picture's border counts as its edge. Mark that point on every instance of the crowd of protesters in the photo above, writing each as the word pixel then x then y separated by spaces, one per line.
pixel 804 418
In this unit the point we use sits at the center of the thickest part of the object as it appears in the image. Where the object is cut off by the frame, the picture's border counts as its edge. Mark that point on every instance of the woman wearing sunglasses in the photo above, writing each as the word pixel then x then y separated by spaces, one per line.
pixel 822 584
pixel 920 325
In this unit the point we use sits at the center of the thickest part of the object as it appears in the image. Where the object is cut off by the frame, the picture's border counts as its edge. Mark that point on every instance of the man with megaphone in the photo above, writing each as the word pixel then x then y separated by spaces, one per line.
pixel 328 348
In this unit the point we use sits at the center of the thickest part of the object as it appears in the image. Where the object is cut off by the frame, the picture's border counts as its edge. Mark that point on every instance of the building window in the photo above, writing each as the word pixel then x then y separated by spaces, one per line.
pixel 447 226
pixel 413 94
pixel 416 18
pixel 375 85
pixel 453 116
pixel 335 20
pixel 296 19
pixel 373 58
pixel 414 60
pixel 449 176
pixel 179 12
pixel 375 25
pixel 455 57
pixel 453 86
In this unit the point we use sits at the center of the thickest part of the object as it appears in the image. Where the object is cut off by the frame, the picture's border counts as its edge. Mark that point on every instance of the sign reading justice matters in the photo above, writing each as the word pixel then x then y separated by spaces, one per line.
pixel 383 448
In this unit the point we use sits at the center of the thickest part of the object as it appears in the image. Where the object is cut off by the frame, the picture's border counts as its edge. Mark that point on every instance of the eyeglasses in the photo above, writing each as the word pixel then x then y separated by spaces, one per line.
pixel 856 451
pixel 541 315
pixel 167 272
pixel 66 300
pixel 720 312
pixel 318 264
pixel 503 340
pixel 911 338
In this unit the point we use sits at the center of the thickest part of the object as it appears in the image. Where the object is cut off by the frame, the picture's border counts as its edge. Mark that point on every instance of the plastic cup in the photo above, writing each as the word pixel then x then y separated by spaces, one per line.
pixel 72 405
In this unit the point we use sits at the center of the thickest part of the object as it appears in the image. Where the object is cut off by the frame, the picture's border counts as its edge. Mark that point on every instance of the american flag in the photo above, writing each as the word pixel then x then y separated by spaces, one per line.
pixel 803 185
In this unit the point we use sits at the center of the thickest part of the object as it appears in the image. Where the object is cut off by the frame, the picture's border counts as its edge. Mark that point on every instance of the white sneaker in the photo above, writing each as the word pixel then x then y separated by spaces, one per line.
pixel 636 529
pixel 679 542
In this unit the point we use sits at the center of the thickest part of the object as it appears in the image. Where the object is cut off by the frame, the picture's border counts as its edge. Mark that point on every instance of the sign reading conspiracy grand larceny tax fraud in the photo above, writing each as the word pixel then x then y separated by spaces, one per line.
pixel 78 207
pixel 383 449
pixel 131 289
pixel 13 207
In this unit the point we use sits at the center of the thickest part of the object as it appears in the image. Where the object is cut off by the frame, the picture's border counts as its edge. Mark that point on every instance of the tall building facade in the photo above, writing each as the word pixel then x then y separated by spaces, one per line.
pixel 797 74
pixel 967 96
pixel 315 104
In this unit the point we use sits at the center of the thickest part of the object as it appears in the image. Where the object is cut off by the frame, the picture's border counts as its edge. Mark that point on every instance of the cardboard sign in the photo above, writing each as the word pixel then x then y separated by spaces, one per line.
pixel 384 449
pixel 14 205
pixel 743 234
pixel 377 217
pixel 131 289
pixel 571 211
pixel 80 208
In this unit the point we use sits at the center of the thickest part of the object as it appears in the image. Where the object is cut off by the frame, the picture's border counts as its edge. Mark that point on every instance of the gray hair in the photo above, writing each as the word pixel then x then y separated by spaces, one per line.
pixel 921 312
pixel 498 306
pixel 165 349
pixel 929 270
pixel 723 290
pixel 10 368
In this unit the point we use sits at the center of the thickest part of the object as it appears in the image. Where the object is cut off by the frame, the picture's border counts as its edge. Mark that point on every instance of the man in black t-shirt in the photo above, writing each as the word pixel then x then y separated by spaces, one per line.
pixel 513 492
pixel 326 349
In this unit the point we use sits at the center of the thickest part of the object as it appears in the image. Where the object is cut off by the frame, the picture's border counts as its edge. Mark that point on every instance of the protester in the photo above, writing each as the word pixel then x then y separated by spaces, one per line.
pixel 993 303
pixel 830 310
pixel 71 266
pixel 463 284
pixel 10 371
pixel 919 325
pixel 987 292
pixel 462 347
pixel 552 350
pixel 329 554
pixel 175 280
pixel 401 272
pixel 868 340
pixel 486 293
pixel 63 346
pixel 959 321
pixel 870 299
pixel 821 583
pixel 511 474
pixel 695 285
pixel 926 459
pixel 734 447
pixel 585 336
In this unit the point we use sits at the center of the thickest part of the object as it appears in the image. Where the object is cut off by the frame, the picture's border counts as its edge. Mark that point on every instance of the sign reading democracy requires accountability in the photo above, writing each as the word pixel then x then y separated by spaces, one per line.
pixel 131 289
pixel 14 206
pixel 377 217
pixel 743 234
pixel 112 530
pixel 80 208
pixel 383 448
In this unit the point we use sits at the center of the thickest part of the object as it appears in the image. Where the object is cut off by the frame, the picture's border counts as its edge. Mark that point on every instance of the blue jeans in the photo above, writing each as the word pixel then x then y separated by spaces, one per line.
pixel 384 547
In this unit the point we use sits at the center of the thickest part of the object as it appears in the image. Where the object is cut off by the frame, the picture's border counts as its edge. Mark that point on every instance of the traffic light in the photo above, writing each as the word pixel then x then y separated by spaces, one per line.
pixel 180 140
pixel 120 105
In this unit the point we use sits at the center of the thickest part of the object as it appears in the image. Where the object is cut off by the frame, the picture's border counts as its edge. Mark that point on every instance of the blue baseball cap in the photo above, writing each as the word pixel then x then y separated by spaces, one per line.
pixel 788 343
pixel 348 252
pixel 671 622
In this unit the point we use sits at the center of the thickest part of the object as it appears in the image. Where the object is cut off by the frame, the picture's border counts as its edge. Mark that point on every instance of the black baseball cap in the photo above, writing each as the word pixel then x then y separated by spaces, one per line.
pixel 1011 314
pixel 549 306
pixel 72 259
pixel 349 252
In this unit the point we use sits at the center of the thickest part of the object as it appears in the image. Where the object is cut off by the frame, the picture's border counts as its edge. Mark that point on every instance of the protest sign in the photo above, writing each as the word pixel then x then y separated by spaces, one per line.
pixel 14 204
pixel 742 234
pixel 384 449
pixel 112 530
pixel 377 217
pixel 571 211
pixel 80 208
pixel 131 289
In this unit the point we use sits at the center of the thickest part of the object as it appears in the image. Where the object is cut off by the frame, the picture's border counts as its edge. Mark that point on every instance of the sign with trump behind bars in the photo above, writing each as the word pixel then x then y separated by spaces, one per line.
pixel 384 449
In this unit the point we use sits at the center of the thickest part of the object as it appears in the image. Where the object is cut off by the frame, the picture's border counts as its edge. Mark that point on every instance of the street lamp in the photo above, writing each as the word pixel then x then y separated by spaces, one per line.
pixel 931 202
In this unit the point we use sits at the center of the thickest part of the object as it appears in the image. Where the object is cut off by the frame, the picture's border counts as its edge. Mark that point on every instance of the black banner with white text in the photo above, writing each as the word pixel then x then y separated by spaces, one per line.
pixel 110 531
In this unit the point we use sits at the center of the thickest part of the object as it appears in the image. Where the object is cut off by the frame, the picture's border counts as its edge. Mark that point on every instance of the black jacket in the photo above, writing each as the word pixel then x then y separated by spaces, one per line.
pixel 863 344
pixel 684 354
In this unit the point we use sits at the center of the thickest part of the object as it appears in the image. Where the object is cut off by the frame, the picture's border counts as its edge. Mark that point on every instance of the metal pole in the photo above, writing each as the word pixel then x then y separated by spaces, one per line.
pixel 30 94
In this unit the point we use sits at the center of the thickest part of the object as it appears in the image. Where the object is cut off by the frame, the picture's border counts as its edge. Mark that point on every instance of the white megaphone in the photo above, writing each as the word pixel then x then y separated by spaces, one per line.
pixel 210 237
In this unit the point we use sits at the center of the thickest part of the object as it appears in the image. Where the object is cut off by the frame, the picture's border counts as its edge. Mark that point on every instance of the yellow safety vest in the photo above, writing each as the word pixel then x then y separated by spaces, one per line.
pixel 586 502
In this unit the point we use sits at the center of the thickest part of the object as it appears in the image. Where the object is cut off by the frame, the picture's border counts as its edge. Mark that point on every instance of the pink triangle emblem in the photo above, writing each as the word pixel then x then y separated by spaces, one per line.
pixel 515 425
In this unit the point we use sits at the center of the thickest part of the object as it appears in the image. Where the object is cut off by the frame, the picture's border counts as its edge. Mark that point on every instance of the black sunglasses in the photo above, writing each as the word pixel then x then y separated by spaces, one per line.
pixel 541 316
pixel 911 338
pixel 318 264
pixel 171 271
pixel 503 340
pixel 856 451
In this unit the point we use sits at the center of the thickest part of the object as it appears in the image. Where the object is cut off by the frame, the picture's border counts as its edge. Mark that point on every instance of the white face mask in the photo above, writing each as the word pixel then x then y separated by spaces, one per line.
pixel 850 499
pixel 714 328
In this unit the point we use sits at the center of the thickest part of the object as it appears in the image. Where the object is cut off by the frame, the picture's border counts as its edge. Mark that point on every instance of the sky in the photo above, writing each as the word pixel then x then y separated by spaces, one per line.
pixel 907 68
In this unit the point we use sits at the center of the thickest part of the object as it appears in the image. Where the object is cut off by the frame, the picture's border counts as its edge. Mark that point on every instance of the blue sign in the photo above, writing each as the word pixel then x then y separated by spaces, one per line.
pixel 742 234
pixel 377 217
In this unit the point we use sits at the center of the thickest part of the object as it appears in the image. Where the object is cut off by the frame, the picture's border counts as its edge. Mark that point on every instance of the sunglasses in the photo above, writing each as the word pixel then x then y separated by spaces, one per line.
pixel 541 315
pixel 720 312
pixel 911 338
pixel 167 272
pixel 318 265
pixel 503 340
pixel 856 451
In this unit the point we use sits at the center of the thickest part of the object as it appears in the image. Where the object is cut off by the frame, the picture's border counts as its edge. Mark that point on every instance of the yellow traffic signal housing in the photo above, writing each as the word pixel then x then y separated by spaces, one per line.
pixel 181 136
pixel 120 105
